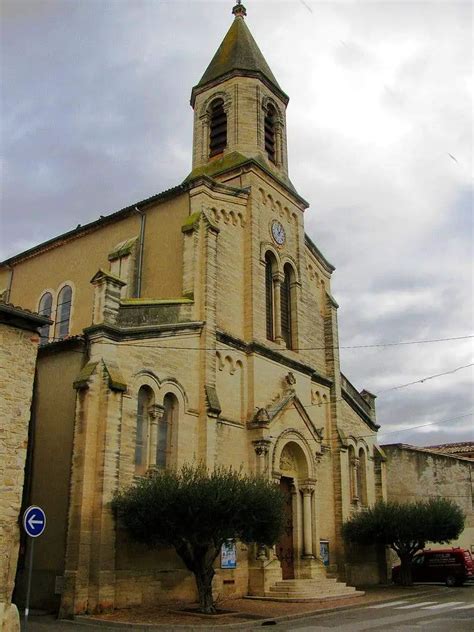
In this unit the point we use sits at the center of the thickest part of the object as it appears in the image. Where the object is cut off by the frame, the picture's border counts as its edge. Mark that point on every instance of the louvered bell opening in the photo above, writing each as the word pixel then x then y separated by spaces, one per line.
pixel 270 134
pixel 218 128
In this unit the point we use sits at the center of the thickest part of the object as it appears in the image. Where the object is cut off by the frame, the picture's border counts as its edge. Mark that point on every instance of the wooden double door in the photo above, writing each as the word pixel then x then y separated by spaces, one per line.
pixel 285 551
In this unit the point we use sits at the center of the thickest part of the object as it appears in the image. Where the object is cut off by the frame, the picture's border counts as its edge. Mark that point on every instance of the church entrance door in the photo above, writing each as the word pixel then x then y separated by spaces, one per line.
pixel 285 545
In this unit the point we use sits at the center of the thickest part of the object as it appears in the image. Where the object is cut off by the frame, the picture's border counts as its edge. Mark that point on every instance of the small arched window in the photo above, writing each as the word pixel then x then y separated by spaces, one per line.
pixel 44 309
pixel 269 267
pixel 269 124
pixel 145 400
pixel 63 312
pixel 287 292
pixel 165 429
pixel 217 127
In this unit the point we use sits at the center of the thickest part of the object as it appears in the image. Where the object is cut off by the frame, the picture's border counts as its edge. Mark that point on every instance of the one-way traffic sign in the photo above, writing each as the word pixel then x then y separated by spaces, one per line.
pixel 34 521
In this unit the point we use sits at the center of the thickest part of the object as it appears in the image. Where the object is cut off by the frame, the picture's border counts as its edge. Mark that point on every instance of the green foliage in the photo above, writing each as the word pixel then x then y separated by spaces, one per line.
pixel 195 511
pixel 196 505
pixel 406 526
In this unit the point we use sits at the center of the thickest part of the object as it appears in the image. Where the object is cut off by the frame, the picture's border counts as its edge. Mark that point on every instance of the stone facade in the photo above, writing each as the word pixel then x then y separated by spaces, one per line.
pixel 416 473
pixel 222 350
pixel 18 348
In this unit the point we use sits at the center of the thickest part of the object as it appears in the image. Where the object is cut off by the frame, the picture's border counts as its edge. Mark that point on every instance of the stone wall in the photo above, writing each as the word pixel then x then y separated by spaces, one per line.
pixel 417 474
pixel 18 348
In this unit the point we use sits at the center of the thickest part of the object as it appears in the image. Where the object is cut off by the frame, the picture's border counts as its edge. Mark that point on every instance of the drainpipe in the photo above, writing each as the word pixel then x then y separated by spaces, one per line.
pixel 138 290
pixel 10 283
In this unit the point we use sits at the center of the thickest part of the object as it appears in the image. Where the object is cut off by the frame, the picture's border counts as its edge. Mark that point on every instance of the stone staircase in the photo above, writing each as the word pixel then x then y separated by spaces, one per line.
pixel 322 588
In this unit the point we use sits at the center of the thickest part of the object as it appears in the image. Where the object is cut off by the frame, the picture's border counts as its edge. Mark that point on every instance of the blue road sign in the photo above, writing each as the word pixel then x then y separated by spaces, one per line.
pixel 34 521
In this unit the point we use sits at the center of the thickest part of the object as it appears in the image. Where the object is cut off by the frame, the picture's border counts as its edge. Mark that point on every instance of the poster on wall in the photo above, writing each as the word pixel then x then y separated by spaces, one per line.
pixel 229 554
pixel 324 551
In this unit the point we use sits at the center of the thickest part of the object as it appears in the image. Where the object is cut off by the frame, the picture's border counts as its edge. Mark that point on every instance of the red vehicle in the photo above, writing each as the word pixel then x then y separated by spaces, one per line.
pixel 452 566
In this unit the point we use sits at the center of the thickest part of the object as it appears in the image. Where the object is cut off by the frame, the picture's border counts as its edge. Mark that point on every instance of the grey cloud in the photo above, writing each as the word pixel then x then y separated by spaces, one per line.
pixel 96 116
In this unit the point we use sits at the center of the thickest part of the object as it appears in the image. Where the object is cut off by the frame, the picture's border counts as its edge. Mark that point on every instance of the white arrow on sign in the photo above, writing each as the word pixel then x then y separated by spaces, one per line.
pixel 32 522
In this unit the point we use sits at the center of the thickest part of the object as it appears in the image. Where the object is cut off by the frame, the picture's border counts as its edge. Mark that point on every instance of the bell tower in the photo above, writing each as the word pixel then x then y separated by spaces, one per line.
pixel 239 108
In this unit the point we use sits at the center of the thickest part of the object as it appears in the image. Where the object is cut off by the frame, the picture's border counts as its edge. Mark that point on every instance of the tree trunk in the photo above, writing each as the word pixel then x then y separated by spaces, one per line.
pixel 405 569
pixel 204 578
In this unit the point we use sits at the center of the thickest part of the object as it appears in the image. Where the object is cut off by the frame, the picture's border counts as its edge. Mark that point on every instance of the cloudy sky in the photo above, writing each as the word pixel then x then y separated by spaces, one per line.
pixel 96 115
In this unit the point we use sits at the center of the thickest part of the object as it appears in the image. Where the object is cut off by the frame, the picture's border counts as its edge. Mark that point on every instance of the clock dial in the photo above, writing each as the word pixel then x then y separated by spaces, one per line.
pixel 278 232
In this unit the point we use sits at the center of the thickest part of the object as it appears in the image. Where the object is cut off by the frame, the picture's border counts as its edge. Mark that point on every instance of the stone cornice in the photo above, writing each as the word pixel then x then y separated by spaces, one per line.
pixel 272 354
pixel 356 408
pixel 314 250
pixel 118 334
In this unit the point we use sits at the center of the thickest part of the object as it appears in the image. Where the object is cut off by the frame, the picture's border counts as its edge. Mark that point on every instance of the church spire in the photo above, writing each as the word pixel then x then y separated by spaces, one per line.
pixel 238 54
pixel 239 108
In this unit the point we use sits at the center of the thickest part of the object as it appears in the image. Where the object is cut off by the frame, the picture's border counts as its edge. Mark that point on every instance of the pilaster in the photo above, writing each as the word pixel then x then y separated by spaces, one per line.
pixel 89 574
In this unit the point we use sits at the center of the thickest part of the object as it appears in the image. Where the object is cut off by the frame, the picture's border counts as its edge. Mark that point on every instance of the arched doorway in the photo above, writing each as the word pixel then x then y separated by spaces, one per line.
pixel 296 542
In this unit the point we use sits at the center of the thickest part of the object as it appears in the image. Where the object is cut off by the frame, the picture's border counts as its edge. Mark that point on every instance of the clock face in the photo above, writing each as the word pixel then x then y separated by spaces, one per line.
pixel 278 232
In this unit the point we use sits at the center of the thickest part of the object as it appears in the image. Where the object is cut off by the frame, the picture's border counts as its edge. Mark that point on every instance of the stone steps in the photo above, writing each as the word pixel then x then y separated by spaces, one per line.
pixel 310 589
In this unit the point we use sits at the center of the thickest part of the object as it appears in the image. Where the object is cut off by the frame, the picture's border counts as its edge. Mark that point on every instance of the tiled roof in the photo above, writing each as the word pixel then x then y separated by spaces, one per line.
pixel 452 448
pixel 20 317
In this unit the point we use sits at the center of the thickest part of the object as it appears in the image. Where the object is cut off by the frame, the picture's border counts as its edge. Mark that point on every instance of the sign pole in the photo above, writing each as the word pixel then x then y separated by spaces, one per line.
pixel 34 523
pixel 28 590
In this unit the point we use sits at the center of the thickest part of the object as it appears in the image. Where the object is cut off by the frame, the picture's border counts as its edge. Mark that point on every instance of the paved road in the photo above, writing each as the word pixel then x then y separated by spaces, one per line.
pixel 441 610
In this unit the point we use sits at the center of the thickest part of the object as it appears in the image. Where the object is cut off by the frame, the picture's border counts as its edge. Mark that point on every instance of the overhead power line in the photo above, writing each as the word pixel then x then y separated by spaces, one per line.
pixel 425 379
pixel 226 348
pixel 431 423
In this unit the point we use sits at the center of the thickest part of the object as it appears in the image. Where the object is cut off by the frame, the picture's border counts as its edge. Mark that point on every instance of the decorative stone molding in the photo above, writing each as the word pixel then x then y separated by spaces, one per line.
pixel 261 446
pixel 262 416
pixel 290 379
pixel 156 412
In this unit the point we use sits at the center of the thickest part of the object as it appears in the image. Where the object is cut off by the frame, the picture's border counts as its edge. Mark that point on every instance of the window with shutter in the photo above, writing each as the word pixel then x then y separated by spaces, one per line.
pixel 217 128
pixel 269 125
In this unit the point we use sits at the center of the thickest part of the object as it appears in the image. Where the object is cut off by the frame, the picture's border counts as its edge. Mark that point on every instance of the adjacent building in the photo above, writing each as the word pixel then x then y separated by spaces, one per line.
pixel 18 348
pixel 197 325
pixel 415 473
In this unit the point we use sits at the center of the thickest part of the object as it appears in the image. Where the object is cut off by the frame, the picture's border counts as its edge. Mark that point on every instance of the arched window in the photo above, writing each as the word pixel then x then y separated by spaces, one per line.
pixel 63 312
pixel 353 475
pixel 269 267
pixel 286 300
pixel 270 143
pixel 217 127
pixel 44 309
pixel 145 399
pixel 362 478
pixel 165 428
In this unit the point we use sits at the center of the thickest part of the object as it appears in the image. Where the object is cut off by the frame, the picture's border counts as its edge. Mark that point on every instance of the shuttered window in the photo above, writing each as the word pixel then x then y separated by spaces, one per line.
pixel 270 116
pixel 218 128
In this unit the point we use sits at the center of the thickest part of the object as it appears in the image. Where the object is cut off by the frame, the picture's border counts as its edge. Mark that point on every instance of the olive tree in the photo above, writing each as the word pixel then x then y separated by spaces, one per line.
pixel 195 511
pixel 406 527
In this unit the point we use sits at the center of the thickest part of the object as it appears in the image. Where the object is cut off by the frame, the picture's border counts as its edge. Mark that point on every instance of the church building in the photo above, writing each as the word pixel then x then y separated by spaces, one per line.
pixel 197 325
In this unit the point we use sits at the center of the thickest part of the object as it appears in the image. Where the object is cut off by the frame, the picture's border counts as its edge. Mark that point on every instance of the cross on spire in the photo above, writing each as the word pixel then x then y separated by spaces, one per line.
pixel 239 10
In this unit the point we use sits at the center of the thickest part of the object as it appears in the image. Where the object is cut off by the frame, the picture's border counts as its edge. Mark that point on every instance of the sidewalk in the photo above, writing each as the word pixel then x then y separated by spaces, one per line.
pixel 242 614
